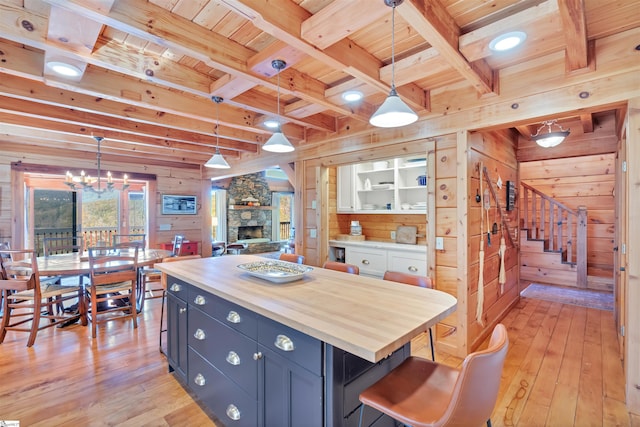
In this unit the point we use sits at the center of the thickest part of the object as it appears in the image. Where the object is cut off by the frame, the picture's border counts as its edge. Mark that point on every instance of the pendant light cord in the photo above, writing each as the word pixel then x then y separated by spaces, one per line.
pixel 393 50
pixel 279 119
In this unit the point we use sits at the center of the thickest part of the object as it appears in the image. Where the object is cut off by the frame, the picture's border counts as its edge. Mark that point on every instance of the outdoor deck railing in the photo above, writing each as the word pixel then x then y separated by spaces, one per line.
pixel 90 236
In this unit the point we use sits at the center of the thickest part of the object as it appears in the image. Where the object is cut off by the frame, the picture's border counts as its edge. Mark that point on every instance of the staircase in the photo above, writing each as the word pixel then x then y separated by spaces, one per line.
pixel 553 240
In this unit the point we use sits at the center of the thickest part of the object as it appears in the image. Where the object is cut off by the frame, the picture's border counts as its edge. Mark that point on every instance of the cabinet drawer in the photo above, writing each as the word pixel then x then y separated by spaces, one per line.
pixel 410 263
pixel 300 348
pixel 226 349
pixel 178 288
pixel 226 312
pixel 229 402
pixel 370 260
pixel 237 317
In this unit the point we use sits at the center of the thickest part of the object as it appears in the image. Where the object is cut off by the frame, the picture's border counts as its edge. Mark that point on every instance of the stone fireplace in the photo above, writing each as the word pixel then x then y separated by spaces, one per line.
pixel 249 222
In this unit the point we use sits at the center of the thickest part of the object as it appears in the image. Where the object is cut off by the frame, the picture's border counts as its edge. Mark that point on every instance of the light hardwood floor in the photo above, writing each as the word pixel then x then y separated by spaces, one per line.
pixel 562 369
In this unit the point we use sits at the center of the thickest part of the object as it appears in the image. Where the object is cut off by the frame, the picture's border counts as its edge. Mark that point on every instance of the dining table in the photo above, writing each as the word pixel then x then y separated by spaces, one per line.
pixel 77 264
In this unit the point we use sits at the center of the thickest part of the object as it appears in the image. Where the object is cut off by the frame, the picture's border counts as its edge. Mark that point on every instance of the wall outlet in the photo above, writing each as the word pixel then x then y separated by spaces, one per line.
pixel 439 243
pixel 393 235
pixel 165 227
pixel 313 233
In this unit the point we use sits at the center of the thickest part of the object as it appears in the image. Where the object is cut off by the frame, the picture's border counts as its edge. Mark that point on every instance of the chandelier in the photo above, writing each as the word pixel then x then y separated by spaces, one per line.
pixel 86 182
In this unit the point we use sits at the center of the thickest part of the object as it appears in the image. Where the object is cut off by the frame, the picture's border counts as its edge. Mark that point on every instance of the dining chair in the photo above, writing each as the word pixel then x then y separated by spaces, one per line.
pixel 341 266
pixel 414 280
pixel 178 239
pixel 32 300
pixel 113 281
pixel 128 240
pixel 151 277
pixel 63 245
pixel 297 259
pixel 163 281
pixel 423 393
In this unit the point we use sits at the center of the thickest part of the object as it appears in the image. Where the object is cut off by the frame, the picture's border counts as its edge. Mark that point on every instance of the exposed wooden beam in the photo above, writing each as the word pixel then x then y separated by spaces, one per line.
pixel 433 23
pixel 167 29
pixel 587 122
pixel 574 24
pixel 338 20
pixel 283 19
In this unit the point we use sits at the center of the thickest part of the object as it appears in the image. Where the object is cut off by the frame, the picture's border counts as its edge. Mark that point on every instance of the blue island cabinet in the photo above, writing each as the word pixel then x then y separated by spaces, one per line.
pixel 252 371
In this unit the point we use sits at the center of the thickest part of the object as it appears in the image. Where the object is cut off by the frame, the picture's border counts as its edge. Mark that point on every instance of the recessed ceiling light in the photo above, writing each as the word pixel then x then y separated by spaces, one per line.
pixel 352 95
pixel 507 41
pixel 272 124
pixel 64 69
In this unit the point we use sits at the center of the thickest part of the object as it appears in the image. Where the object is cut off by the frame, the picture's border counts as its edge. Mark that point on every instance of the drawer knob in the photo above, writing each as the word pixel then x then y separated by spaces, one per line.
pixel 182 310
pixel 199 334
pixel 413 269
pixel 233 358
pixel 175 287
pixel 233 317
pixel 366 262
pixel 200 300
pixel 257 356
pixel 199 380
pixel 284 343
pixel 233 412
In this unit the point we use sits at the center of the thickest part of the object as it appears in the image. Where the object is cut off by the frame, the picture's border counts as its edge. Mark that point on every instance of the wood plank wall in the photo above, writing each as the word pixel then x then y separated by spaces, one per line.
pixel 497 152
pixel 449 333
pixel 582 181
pixel 168 181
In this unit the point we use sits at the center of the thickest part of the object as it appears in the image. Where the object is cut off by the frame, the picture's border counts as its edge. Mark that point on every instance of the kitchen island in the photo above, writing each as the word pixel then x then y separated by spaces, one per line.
pixel 289 354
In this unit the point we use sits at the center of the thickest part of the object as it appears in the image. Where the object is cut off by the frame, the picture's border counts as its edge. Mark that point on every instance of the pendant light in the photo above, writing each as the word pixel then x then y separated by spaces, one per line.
pixel 278 143
pixel 550 138
pixel 393 112
pixel 217 161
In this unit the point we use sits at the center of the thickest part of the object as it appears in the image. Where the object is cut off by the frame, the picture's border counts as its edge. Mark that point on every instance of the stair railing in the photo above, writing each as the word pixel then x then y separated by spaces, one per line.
pixel 548 220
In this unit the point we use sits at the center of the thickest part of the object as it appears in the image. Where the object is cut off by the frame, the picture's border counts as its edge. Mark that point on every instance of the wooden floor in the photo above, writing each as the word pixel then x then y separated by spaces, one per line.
pixel 562 369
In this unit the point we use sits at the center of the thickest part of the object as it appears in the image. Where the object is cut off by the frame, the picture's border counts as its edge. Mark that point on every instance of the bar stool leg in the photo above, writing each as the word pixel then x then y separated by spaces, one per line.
pixel 164 294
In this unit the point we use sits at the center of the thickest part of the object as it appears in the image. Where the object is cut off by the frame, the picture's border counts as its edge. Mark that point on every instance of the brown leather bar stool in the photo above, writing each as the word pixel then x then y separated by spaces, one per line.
pixel 341 266
pixel 422 393
pixel 412 279
pixel 296 259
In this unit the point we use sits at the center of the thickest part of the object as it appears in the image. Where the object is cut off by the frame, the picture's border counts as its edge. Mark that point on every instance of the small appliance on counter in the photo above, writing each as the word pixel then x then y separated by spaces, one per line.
pixel 356 228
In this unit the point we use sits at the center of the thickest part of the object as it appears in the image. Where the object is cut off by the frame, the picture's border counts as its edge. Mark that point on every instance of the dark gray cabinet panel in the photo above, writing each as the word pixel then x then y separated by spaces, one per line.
pixel 291 396
pixel 177 335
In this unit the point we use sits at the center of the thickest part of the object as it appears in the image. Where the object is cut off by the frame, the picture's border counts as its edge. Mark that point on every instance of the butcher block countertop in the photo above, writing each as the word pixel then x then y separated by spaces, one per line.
pixel 365 316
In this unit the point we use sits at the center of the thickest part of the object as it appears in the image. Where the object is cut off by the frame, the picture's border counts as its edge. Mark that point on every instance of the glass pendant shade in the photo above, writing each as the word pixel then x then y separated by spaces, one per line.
pixel 217 161
pixel 278 143
pixel 551 139
pixel 393 113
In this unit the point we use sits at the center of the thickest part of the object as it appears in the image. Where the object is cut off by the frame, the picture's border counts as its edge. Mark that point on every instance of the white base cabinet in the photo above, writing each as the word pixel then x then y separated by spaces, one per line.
pixel 374 258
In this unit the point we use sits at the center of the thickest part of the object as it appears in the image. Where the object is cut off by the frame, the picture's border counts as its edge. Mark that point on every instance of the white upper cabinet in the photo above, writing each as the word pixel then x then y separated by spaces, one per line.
pixel 386 186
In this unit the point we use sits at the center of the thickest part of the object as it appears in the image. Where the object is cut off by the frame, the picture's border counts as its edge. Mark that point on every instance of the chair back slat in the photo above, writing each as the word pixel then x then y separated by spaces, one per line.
pixel 112 265
pixel 130 240
pixel 62 245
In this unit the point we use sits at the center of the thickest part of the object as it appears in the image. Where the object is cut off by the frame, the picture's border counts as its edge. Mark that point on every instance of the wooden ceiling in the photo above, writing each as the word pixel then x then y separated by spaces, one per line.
pixel 150 68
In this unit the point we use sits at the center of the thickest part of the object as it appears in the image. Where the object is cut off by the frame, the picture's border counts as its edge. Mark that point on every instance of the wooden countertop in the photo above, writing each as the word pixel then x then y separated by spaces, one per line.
pixel 378 245
pixel 365 316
